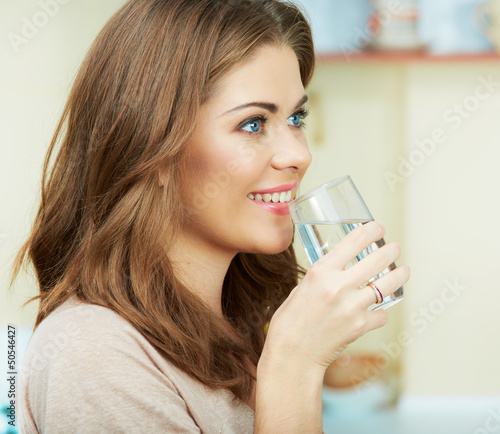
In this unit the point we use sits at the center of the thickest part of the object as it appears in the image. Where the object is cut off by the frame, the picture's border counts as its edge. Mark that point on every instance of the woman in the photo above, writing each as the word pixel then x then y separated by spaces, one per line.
pixel 163 244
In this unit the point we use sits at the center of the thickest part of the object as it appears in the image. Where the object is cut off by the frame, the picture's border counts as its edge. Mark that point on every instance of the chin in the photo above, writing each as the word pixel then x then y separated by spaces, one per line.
pixel 273 246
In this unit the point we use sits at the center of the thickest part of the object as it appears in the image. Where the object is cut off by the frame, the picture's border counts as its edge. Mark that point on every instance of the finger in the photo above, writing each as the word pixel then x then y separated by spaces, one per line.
pixel 387 284
pixel 376 319
pixel 374 263
pixel 354 242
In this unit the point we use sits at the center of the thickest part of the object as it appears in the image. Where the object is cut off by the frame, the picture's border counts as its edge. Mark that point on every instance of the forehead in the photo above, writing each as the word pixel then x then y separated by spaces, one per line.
pixel 271 74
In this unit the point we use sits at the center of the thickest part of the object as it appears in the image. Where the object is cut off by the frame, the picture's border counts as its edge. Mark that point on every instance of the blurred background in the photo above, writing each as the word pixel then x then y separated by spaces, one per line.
pixel 406 100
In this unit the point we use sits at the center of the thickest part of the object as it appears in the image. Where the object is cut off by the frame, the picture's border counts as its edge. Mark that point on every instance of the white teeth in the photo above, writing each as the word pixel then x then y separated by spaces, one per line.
pixel 282 197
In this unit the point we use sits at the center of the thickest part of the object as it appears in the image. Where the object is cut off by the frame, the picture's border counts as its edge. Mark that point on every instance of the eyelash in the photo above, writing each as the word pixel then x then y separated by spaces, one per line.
pixel 260 118
pixel 303 113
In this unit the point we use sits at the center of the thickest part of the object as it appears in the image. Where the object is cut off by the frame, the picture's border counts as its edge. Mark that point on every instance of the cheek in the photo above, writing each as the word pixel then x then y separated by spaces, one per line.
pixel 234 166
pixel 208 174
pixel 246 159
pixel 217 165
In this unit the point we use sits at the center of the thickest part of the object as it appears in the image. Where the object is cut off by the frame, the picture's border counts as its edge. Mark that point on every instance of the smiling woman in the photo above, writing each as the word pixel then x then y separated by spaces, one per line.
pixel 162 245
pixel 264 144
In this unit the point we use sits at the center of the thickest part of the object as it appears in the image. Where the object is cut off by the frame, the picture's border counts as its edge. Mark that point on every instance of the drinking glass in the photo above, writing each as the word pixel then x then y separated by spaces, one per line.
pixel 326 214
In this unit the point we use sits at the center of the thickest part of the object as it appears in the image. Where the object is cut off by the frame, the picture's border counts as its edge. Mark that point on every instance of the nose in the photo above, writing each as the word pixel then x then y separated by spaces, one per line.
pixel 291 151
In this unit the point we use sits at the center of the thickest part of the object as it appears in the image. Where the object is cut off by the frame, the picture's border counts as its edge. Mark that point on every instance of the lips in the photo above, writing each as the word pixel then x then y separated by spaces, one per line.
pixel 278 189
pixel 275 199
pixel 275 208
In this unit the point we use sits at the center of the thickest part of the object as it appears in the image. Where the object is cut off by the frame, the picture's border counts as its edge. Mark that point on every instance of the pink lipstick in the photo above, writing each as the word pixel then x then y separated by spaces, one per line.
pixel 279 188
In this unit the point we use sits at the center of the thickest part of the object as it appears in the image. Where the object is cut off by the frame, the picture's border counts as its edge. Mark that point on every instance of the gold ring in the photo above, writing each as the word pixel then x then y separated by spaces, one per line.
pixel 378 295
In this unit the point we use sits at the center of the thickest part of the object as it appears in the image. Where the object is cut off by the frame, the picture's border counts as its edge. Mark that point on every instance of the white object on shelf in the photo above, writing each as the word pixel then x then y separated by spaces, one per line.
pixel 452 26
pixel 338 25
pixel 395 25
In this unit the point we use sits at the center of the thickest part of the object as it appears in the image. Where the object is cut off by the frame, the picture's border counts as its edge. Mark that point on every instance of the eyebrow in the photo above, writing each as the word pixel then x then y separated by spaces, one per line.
pixel 271 107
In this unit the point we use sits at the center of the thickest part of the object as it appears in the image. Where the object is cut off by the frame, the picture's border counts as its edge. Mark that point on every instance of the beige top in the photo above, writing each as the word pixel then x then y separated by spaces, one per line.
pixel 87 370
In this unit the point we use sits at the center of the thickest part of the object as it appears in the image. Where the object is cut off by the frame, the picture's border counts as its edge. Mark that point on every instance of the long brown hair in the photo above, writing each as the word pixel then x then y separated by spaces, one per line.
pixel 104 224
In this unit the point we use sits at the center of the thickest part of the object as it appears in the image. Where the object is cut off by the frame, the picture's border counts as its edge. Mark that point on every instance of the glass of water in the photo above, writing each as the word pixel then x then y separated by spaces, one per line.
pixel 326 214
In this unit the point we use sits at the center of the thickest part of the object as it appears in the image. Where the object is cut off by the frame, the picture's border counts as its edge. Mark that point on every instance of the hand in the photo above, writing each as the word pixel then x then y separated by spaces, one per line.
pixel 328 310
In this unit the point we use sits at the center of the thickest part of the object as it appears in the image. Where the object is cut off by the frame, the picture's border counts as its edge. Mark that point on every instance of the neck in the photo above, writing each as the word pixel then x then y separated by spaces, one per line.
pixel 202 269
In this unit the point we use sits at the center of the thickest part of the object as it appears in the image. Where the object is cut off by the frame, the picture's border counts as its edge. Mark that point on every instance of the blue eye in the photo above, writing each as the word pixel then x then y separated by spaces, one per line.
pixel 254 125
pixel 294 120
pixel 297 119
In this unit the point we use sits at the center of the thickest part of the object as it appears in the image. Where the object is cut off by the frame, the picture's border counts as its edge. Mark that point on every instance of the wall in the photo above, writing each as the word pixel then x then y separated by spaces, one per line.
pixel 450 235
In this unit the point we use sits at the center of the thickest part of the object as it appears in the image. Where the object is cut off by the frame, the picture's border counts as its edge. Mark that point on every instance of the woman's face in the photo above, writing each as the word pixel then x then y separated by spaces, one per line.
pixel 246 158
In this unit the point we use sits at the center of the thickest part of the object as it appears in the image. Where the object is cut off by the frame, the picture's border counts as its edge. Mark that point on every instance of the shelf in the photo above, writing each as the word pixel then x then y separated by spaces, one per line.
pixel 406 57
